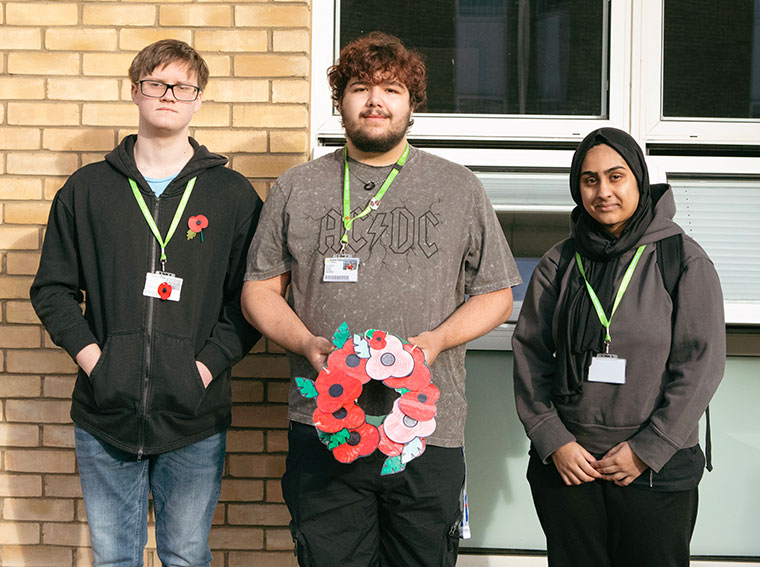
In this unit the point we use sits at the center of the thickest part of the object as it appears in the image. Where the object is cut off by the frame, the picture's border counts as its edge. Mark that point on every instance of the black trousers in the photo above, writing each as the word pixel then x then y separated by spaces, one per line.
pixel 600 524
pixel 350 516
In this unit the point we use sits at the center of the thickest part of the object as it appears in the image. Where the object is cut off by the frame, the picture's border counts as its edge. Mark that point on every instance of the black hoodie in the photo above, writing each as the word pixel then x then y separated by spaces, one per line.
pixel 145 394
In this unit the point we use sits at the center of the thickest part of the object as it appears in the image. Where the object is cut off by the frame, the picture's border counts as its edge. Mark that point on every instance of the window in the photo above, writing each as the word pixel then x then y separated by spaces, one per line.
pixel 720 212
pixel 499 57
pixel 700 71
pixel 498 69
pixel 719 75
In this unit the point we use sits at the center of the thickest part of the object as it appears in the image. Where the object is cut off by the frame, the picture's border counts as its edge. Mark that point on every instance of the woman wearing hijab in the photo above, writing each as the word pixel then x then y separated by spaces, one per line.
pixel 613 371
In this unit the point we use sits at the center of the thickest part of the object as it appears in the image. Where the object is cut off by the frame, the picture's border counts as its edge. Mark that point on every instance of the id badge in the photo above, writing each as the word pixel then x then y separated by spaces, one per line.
pixel 607 368
pixel 341 269
pixel 162 285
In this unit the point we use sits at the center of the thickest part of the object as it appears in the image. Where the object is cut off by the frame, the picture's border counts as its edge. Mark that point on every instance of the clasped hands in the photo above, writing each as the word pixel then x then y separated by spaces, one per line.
pixel 576 465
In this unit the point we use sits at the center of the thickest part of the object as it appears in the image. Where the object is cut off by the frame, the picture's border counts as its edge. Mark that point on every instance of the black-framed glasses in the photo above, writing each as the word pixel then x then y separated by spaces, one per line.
pixel 157 89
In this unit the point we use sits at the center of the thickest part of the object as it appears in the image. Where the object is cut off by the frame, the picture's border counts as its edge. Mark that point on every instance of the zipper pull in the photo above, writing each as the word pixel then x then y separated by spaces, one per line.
pixel 139 455
pixel 650 478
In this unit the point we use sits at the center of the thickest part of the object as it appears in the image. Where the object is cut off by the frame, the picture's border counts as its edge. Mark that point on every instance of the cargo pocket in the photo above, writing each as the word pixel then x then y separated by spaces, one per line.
pixel 176 385
pixel 116 377
pixel 450 545
pixel 301 549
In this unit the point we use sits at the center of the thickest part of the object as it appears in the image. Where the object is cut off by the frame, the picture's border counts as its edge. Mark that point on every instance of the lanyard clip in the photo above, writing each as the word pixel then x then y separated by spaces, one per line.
pixel 606 347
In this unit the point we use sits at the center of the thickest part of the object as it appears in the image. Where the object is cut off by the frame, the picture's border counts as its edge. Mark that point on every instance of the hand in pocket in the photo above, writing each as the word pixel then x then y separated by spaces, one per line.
pixel 205 373
pixel 88 357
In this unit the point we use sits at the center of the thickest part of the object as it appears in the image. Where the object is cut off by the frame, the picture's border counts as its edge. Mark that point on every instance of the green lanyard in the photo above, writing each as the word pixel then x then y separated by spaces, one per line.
pixel 621 290
pixel 152 223
pixel 348 220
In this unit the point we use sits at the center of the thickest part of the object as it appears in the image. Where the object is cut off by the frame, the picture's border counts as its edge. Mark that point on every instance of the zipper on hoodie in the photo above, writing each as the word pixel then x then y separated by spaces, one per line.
pixel 651 474
pixel 147 348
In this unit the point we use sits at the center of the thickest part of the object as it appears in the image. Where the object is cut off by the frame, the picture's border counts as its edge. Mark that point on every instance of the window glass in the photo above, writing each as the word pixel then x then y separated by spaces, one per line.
pixel 519 191
pixel 721 215
pixel 519 57
pixel 534 212
pixel 711 59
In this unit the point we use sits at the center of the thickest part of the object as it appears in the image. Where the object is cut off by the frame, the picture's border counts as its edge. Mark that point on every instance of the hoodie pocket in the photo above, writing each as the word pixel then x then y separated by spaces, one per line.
pixel 176 384
pixel 116 376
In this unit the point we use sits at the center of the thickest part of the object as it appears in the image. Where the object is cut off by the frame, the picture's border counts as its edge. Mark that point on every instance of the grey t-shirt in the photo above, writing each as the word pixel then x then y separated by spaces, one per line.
pixel 433 239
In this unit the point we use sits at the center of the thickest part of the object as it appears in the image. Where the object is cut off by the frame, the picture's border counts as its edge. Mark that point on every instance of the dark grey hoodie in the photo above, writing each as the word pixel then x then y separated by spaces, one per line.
pixel 675 360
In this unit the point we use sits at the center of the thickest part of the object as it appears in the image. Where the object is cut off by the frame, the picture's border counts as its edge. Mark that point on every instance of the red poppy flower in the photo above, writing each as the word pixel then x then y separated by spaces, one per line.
pixel 347 361
pixel 420 376
pixel 362 441
pixel 386 446
pixel 377 341
pixel 420 404
pixel 197 223
pixel 164 290
pixel 335 390
pixel 349 416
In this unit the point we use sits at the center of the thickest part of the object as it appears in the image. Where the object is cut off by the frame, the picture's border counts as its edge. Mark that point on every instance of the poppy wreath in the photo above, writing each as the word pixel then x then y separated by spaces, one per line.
pixel 344 427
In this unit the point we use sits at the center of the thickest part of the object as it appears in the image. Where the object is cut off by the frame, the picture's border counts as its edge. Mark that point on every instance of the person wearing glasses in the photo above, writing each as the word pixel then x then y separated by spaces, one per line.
pixel 155 237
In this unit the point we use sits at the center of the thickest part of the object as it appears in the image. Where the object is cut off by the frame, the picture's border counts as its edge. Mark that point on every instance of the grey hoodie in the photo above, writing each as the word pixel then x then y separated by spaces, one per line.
pixel 675 360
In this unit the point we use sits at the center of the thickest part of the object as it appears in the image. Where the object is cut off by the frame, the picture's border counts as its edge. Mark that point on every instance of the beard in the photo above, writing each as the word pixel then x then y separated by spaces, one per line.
pixel 371 142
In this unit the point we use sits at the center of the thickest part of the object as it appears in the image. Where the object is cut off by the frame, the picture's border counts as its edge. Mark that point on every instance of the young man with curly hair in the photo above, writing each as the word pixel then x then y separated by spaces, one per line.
pixel 156 237
pixel 414 234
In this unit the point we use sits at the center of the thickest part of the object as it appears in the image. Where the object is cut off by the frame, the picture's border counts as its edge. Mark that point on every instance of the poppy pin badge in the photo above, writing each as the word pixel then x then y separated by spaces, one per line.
pixel 196 224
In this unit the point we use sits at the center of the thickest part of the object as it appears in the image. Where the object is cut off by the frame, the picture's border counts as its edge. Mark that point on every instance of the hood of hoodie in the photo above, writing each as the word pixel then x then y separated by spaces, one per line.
pixel 122 158
pixel 662 225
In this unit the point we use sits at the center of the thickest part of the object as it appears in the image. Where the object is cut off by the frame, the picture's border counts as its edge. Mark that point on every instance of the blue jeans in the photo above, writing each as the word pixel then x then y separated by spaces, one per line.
pixel 185 485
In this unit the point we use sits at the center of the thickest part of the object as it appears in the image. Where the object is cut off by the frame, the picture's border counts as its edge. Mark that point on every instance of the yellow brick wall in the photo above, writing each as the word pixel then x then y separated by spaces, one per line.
pixel 64 102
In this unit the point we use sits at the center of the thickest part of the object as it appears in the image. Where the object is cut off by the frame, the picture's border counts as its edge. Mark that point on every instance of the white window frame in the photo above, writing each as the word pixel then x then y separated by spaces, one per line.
pixel 648 83
pixel 465 128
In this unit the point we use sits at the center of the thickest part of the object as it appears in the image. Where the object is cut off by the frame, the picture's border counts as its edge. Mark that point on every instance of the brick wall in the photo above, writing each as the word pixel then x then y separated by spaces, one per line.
pixel 64 102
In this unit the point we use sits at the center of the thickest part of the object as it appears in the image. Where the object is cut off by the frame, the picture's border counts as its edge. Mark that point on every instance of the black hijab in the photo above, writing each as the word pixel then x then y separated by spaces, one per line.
pixel 581 334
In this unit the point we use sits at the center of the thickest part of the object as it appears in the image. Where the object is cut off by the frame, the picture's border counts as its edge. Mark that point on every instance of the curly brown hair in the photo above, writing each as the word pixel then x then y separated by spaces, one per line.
pixel 164 52
pixel 375 57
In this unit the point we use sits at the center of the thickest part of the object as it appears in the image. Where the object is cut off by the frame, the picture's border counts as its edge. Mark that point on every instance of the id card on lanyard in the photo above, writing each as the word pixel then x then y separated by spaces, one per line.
pixel 342 267
pixel 606 367
pixel 162 284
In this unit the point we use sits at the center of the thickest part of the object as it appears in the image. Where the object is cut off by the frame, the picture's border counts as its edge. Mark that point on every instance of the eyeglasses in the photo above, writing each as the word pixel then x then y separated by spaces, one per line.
pixel 157 89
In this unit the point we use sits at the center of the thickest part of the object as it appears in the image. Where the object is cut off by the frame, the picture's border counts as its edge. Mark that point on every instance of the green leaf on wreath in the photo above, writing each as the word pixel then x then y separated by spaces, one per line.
pixel 392 465
pixel 403 391
pixel 341 335
pixel 338 438
pixel 306 387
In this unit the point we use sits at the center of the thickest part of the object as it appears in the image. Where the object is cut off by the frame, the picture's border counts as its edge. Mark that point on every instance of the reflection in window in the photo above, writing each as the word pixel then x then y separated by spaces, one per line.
pixel 711 65
pixel 525 57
